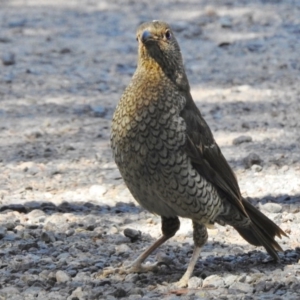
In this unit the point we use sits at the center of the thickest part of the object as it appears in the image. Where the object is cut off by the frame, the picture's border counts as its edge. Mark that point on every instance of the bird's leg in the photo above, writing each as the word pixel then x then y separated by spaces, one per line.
pixel 200 237
pixel 169 228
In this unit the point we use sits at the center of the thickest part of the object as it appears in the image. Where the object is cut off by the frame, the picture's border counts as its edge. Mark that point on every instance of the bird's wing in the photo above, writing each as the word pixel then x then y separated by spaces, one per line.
pixel 206 155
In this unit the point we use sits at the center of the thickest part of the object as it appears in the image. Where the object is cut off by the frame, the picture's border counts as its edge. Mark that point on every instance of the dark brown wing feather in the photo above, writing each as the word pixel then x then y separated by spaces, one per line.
pixel 209 161
pixel 206 155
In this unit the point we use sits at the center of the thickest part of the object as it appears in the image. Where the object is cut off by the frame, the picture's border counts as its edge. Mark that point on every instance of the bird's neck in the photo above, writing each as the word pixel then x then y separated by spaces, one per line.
pixel 175 73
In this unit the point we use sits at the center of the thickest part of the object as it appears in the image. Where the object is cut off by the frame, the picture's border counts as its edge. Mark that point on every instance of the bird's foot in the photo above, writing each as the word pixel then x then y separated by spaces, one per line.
pixel 183 282
pixel 133 268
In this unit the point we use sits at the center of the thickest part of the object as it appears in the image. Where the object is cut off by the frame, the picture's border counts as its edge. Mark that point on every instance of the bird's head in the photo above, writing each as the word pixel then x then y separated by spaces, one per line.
pixel 158 47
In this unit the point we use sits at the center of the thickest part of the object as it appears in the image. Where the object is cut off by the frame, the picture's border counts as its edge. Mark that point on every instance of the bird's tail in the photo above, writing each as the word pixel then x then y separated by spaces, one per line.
pixel 262 231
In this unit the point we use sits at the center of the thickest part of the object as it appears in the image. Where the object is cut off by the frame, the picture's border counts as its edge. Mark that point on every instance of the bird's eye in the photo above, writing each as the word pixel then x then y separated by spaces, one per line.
pixel 137 38
pixel 168 34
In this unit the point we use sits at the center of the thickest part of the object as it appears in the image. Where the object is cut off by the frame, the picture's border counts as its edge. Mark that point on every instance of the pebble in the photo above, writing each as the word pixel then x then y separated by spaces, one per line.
pixel 230 279
pixel 133 234
pixel 97 191
pixel 77 294
pixel 252 159
pixel 225 22
pixel 215 281
pixel 195 282
pixel 256 168
pixel 242 139
pixel 99 111
pixel 8 59
pixel 3 232
pixel 62 276
pixel 123 248
pixel 240 287
pixel 271 207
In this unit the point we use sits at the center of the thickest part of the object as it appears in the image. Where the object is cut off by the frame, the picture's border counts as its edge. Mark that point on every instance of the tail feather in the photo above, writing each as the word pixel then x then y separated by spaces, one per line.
pixel 262 231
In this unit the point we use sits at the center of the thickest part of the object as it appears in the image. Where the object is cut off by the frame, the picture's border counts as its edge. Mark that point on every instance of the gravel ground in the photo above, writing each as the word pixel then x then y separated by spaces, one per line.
pixel 63 204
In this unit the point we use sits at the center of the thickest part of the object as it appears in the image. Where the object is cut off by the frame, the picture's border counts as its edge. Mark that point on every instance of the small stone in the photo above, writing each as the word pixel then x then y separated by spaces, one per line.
pixel 288 217
pixel 195 282
pixel 97 191
pixel 213 281
pixel 9 291
pixel 256 168
pixel 61 276
pixel 48 237
pixel 133 277
pixel 272 207
pixel 163 258
pixel 240 287
pixel 252 159
pixel 8 78
pixel 242 139
pixel 230 279
pixel 225 22
pixel 17 23
pixel 8 59
pixel 82 109
pixel 133 234
pixel 99 111
pixel 65 51
pixel 10 236
pixel 76 294
pixel 32 292
pixel 120 293
pixel 237 250
pixel 3 232
pixel 122 248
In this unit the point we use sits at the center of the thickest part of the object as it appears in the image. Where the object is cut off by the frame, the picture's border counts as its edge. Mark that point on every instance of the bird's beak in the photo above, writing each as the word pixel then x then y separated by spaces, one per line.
pixel 146 36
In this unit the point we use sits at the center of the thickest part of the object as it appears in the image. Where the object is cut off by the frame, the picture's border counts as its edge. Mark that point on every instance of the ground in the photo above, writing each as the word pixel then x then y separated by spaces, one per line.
pixel 63 204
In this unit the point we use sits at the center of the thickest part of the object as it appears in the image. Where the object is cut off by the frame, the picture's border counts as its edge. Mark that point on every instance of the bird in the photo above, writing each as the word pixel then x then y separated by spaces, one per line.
pixel 169 159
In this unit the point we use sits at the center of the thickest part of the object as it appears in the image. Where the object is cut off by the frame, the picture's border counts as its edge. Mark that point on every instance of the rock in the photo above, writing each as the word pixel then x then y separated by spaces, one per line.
pixel 120 293
pixel 225 22
pixel 36 216
pixel 82 109
pixel 133 277
pixel 133 234
pixel 32 292
pixel 122 248
pixel 3 232
pixel 256 168
pixel 271 207
pixel 195 282
pixel 237 250
pixel 99 111
pixel 163 258
pixel 252 159
pixel 48 237
pixel 62 276
pixel 230 279
pixel 97 191
pixel 8 78
pixel 9 291
pixel 8 59
pixel 240 287
pixel 215 281
pixel 288 217
pixel 242 139
pixel 65 51
pixel 17 23
pixel 10 236
pixel 77 294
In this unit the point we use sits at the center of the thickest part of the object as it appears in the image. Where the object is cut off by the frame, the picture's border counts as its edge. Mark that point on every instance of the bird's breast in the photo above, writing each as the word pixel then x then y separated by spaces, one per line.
pixel 147 129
